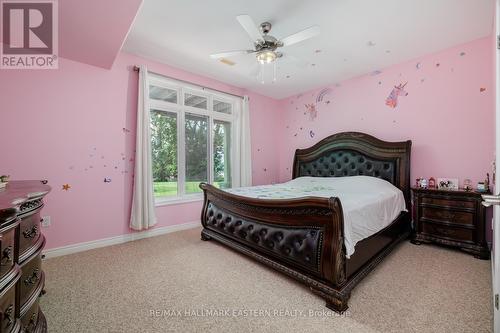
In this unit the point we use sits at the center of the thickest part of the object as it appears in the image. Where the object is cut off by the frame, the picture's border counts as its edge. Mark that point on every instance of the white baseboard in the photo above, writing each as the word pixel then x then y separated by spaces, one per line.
pixel 79 247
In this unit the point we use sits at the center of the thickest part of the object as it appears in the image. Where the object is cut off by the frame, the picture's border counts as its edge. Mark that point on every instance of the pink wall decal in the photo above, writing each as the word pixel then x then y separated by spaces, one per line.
pixel 322 94
pixel 311 110
pixel 399 90
pixel 448 118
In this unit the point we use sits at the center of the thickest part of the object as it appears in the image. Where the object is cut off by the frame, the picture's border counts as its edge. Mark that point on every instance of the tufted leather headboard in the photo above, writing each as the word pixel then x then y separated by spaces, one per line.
pixel 352 154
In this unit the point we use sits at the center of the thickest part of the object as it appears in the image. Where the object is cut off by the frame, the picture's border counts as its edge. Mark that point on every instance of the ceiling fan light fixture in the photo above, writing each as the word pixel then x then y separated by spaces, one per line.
pixel 265 46
pixel 266 57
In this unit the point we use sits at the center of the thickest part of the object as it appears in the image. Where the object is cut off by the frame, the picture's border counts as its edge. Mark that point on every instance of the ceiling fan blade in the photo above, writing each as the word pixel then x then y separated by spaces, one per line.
pixel 249 25
pixel 301 35
pixel 230 54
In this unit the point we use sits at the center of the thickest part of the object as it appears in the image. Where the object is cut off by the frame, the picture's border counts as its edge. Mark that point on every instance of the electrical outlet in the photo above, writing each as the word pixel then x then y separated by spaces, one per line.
pixel 45 221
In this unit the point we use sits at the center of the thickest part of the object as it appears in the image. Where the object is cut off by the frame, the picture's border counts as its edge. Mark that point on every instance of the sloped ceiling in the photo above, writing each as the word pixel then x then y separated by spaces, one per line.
pixel 93 31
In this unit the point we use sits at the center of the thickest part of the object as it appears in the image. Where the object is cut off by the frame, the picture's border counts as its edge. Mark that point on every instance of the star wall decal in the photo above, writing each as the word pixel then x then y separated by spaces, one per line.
pixel 66 187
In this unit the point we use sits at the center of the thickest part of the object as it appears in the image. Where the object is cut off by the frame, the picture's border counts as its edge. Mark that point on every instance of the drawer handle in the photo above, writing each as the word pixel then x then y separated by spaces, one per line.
pixel 35 276
pixel 6 255
pixel 31 324
pixel 445 231
pixel 449 216
pixel 8 314
pixel 31 233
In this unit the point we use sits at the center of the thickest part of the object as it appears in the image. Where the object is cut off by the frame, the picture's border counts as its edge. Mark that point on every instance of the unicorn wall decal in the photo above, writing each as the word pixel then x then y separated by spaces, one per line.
pixel 392 100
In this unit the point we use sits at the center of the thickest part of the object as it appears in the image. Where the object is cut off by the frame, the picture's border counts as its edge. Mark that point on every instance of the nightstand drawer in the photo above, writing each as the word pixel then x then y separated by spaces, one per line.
pixel 452 218
pixel 447 232
pixel 446 215
pixel 448 203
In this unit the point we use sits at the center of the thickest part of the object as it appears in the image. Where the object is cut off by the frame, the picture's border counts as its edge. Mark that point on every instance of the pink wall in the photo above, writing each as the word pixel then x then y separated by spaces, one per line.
pixel 266 125
pixel 67 126
pixel 446 115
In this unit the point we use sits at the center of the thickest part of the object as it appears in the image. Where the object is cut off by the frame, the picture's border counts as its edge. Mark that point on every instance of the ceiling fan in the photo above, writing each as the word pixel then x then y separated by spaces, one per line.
pixel 265 45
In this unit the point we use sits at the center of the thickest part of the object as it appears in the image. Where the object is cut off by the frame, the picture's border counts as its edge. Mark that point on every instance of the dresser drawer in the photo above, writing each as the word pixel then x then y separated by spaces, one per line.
pixel 8 309
pixel 29 232
pixel 21 243
pixel 448 203
pixel 445 215
pixel 29 319
pixel 7 241
pixel 8 305
pixel 447 232
pixel 31 276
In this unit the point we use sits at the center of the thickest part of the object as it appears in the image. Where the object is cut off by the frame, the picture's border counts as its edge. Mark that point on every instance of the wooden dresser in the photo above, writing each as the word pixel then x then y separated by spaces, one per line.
pixel 452 218
pixel 21 243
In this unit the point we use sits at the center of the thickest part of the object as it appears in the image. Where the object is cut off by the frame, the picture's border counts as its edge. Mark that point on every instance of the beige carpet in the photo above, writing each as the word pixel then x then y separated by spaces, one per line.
pixel 115 289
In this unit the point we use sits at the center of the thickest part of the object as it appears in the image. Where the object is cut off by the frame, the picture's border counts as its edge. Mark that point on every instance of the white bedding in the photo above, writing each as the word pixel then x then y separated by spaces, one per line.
pixel 369 204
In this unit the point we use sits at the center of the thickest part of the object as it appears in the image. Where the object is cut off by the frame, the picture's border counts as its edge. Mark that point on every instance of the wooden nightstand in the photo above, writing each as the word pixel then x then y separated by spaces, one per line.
pixel 452 218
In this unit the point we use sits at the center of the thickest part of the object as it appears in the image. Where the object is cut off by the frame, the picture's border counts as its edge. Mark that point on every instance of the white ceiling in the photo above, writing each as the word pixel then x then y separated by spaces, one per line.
pixel 184 33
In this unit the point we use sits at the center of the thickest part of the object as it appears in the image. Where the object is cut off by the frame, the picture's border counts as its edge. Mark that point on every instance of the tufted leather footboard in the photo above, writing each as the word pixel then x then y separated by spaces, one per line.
pixel 300 237
pixel 300 246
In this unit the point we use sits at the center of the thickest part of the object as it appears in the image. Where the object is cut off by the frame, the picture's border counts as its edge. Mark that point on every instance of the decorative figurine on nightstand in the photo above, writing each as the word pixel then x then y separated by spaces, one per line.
pixel 419 180
pixel 447 184
pixel 3 181
pixel 467 185
pixel 432 182
pixel 484 187
pixel 424 183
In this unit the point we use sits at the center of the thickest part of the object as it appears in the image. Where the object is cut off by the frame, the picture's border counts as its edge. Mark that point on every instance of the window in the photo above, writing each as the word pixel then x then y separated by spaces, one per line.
pixel 222 154
pixel 196 137
pixel 163 94
pixel 164 152
pixel 222 107
pixel 194 101
pixel 193 134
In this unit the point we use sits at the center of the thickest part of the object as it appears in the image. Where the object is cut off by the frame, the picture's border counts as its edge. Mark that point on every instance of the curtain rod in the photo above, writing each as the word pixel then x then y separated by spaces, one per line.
pixel 137 69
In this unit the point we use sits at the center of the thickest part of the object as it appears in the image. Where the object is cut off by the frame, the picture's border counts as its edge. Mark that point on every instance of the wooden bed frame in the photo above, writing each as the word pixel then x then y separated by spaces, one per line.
pixel 304 237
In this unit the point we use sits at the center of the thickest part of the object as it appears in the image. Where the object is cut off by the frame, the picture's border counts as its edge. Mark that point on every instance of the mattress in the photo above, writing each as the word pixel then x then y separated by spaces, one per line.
pixel 369 204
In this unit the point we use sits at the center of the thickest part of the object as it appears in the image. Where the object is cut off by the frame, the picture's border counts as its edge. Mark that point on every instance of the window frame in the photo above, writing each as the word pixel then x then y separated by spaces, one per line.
pixel 180 110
